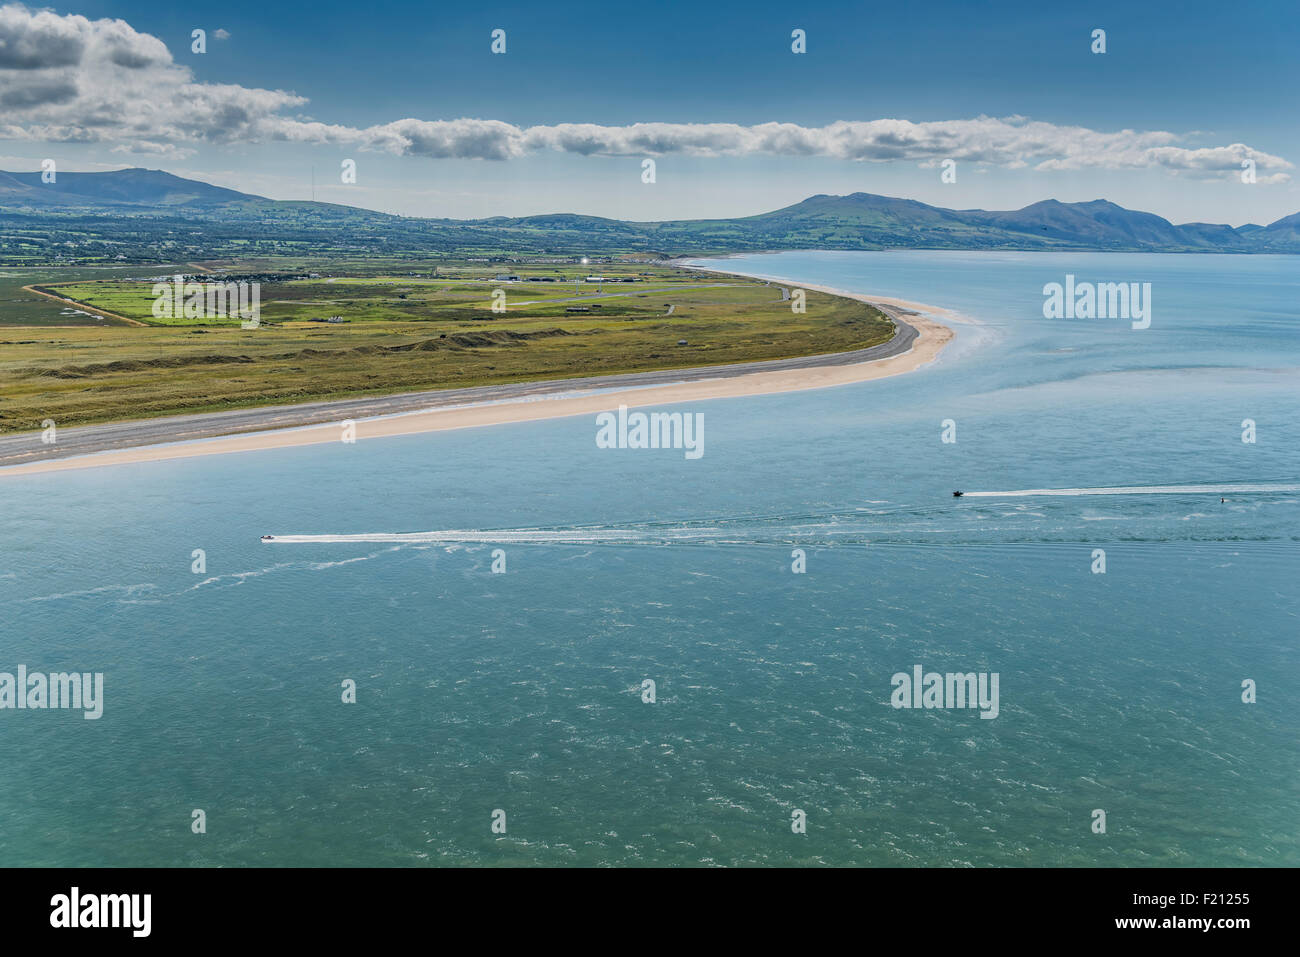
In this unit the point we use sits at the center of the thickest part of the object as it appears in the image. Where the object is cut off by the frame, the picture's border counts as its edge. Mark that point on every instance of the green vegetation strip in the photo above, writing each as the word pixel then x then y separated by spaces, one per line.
pixel 406 333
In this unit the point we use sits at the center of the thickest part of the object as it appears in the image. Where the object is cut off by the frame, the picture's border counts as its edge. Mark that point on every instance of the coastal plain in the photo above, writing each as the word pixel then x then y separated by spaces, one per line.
pixel 334 337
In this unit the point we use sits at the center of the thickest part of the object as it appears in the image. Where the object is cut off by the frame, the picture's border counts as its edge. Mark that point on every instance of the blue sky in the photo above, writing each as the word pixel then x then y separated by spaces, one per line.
pixel 1011 91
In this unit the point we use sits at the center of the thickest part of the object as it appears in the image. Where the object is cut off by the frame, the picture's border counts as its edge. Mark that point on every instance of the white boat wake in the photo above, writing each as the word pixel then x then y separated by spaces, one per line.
pixel 1138 490
pixel 855 525
pixel 458 537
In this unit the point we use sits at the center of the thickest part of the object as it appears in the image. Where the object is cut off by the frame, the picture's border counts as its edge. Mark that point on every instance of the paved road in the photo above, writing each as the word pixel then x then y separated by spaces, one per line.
pixel 26 446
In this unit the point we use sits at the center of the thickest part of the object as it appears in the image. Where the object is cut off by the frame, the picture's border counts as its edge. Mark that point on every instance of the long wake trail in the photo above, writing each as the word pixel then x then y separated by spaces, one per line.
pixel 875 524
pixel 1137 490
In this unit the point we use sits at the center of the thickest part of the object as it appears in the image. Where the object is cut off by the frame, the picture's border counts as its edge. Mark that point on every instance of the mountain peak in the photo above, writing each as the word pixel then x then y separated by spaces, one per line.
pixel 134 186
pixel 858 220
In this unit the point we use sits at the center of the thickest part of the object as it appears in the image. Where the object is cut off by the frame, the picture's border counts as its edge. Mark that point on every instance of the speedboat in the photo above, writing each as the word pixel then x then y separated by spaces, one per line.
pixel 268 538
pixel 954 495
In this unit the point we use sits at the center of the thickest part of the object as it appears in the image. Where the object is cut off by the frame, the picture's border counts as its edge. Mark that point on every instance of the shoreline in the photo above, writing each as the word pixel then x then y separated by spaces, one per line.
pixel 917 341
pixel 906 305
pixel 83 307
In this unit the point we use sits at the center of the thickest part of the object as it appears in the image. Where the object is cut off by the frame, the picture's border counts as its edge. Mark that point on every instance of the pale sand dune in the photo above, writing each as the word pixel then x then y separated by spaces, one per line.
pixel 931 337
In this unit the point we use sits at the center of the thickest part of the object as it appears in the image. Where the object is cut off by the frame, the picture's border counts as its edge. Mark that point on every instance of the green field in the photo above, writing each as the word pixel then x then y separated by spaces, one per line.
pixel 464 293
pixel 406 333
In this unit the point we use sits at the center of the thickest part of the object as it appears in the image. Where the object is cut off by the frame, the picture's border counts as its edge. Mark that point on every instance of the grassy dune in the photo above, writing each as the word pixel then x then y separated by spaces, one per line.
pixel 404 334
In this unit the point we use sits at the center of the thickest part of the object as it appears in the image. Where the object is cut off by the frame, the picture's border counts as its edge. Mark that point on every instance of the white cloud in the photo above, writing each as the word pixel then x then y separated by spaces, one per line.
pixel 146 148
pixel 70 79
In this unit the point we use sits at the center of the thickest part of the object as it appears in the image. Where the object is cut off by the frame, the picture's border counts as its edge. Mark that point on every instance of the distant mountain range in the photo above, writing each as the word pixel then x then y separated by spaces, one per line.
pixel 124 187
pixel 148 213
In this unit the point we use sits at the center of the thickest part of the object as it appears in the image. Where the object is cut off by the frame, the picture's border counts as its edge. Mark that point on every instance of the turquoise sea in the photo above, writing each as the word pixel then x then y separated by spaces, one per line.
pixel 522 691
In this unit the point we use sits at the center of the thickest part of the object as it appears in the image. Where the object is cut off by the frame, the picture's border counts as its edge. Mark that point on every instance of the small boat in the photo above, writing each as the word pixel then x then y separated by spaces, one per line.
pixel 954 495
pixel 268 538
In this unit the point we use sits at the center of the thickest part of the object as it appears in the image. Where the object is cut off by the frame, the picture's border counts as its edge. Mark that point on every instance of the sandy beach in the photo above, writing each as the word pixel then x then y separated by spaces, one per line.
pixel 810 373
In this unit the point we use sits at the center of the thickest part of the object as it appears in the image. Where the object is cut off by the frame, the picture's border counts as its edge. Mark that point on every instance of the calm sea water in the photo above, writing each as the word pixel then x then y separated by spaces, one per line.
pixel 522 691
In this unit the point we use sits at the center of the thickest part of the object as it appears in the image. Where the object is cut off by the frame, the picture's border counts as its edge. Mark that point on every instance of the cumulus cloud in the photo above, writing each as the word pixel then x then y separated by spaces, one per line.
pixel 147 148
pixel 70 79
pixel 1011 142
pixel 34 41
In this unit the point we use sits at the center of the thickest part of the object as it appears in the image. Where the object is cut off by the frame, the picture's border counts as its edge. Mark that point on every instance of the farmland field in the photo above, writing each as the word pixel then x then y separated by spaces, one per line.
pixel 406 333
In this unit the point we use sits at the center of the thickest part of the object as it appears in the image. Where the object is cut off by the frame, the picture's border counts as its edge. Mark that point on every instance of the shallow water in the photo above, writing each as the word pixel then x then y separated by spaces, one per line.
pixel 523 691
pixel 19 308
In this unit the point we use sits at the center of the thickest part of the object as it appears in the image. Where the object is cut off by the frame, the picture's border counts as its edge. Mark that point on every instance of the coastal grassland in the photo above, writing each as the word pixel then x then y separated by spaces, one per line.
pixel 406 334
pixel 460 292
